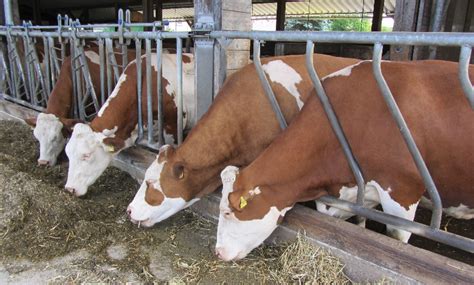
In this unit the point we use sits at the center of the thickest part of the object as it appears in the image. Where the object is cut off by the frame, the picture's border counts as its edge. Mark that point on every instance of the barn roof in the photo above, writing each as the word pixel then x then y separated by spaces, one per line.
pixel 303 9
pixel 183 9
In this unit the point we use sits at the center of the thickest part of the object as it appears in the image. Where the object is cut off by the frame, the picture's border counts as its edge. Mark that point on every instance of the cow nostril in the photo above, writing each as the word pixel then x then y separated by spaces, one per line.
pixel 218 252
pixel 129 211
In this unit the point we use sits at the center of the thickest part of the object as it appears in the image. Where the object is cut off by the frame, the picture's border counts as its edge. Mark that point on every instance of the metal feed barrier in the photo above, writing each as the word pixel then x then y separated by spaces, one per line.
pixel 23 85
pixel 74 34
pixel 463 40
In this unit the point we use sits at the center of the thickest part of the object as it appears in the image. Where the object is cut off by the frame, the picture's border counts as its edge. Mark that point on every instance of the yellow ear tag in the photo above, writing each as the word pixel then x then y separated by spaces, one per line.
pixel 243 202
pixel 109 148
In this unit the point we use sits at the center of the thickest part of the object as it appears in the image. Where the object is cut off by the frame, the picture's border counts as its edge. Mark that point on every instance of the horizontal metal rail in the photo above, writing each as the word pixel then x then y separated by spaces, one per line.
pixel 22 102
pixel 416 228
pixel 390 38
pixel 103 35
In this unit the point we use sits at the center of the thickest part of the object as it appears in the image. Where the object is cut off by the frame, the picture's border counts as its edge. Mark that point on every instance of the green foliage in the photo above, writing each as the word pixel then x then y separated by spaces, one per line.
pixel 305 25
pixel 354 24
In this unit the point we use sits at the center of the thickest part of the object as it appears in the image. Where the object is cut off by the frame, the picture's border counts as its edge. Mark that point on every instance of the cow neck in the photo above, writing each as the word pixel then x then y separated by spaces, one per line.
pixel 216 142
pixel 60 100
pixel 121 112
pixel 296 169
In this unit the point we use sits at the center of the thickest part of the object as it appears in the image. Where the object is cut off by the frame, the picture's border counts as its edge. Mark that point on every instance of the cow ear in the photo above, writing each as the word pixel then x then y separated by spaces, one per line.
pixel 113 144
pixel 178 170
pixel 31 122
pixel 68 124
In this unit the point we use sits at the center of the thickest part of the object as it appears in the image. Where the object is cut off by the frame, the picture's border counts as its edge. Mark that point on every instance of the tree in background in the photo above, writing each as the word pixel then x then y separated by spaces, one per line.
pixel 345 24
pixel 306 25
pixel 351 25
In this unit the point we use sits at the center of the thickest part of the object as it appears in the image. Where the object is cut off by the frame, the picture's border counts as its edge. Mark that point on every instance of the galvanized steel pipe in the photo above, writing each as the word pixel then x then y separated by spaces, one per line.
pixel 405 131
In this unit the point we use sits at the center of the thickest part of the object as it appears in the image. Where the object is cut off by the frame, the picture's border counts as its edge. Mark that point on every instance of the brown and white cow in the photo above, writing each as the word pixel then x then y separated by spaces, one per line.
pixel 53 127
pixel 237 127
pixel 92 147
pixel 306 161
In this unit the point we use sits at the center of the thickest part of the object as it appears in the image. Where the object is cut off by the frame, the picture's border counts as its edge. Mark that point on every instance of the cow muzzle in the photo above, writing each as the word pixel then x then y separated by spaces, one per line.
pixel 43 162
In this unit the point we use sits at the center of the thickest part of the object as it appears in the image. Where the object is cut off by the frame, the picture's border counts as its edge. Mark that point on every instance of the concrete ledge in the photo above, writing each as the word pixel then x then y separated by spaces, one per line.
pixel 368 256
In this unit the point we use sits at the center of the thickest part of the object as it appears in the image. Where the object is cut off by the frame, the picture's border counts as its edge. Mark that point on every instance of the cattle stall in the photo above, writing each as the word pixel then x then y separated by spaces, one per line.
pixel 27 81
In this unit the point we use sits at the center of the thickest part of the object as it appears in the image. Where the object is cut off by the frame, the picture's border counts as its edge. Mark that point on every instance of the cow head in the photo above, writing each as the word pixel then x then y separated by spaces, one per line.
pixel 154 202
pixel 89 155
pixel 246 217
pixel 51 133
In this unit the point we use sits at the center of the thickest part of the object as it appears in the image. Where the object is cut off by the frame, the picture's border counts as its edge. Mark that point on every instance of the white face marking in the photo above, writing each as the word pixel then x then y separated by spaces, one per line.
pixel 392 207
pixel 346 71
pixel 48 133
pixel 280 72
pixel 93 56
pixel 114 93
pixel 371 199
pixel 235 238
pixel 147 215
pixel 88 157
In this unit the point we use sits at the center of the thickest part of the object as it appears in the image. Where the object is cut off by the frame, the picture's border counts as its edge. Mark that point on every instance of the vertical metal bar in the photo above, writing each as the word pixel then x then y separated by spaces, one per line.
pixel 464 59
pixel 108 50
pixel 124 56
pixel 204 78
pixel 100 41
pixel 159 90
pixel 266 85
pixel 336 126
pixel 46 61
pixel 415 153
pixel 14 87
pixel 74 80
pixel 7 8
pixel 53 60
pixel 138 51
pixel 63 51
pixel 179 88
pixel 438 19
pixel 88 80
pixel 149 99
pixel 30 70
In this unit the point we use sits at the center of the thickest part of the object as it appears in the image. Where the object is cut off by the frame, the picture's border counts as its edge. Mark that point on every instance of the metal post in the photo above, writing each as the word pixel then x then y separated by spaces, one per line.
pixel 438 21
pixel 159 90
pixel 149 100
pixel 410 142
pixel 205 13
pixel 47 72
pixel 464 59
pixel 102 70
pixel 336 126
pixel 266 85
pixel 138 51
pixel 179 88
pixel 108 47
pixel 7 7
